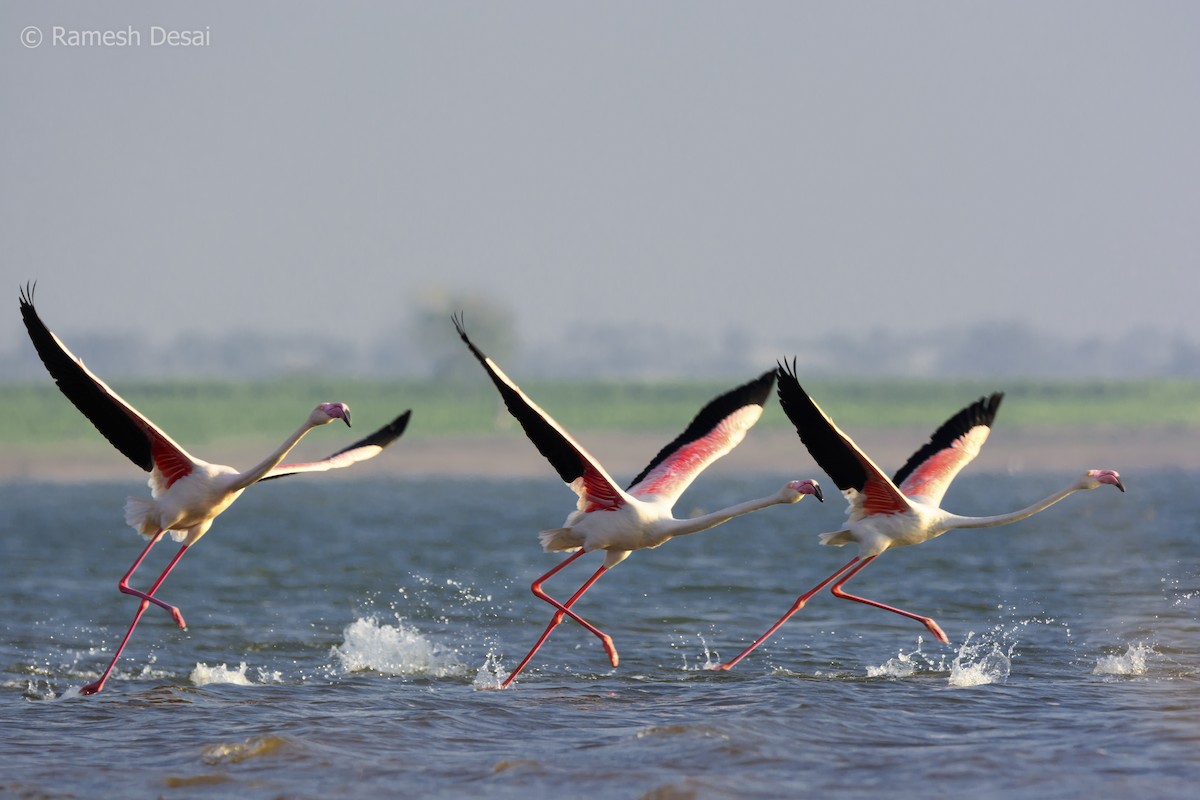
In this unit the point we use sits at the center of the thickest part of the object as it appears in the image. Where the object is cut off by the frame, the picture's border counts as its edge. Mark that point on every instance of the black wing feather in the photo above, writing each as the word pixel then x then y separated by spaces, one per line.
pixel 981 412
pixel 549 441
pixel 755 392
pixel 92 399
pixel 826 444
pixel 380 438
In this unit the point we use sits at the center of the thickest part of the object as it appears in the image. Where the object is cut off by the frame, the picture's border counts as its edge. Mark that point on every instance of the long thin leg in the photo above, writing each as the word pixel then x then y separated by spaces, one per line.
pixel 536 588
pixel 96 686
pixel 799 604
pixel 926 621
pixel 564 609
pixel 147 599
pixel 125 588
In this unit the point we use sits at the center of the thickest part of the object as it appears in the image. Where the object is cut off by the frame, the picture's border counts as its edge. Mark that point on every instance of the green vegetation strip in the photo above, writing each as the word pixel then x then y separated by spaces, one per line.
pixel 197 412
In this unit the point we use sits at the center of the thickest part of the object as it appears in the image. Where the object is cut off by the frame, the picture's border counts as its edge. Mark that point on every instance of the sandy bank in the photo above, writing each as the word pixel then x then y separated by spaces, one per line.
pixel 510 455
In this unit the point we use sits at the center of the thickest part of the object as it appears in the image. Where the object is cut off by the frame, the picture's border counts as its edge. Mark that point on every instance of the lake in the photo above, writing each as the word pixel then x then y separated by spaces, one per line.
pixel 347 635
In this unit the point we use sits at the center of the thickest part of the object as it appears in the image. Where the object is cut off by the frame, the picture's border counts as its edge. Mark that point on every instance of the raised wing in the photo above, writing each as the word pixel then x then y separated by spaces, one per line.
pixel 577 468
pixel 865 486
pixel 718 428
pixel 139 439
pixel 928 473
pixel 361 450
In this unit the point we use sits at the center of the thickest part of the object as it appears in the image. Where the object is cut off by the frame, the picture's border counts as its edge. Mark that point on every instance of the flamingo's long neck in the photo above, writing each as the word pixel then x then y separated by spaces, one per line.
pixel 682 527
pixel 244 479
pixel 1015 516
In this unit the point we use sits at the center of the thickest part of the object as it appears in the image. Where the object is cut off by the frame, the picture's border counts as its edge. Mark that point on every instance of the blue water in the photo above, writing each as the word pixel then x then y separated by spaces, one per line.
pixel 346 637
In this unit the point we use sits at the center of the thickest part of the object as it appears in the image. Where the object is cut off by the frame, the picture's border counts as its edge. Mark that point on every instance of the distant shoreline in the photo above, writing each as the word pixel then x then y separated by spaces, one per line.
pixel 510 455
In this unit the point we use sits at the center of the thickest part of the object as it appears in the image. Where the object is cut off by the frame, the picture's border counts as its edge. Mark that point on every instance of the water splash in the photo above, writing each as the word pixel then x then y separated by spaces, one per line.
pixel 68 658
pixel 986 661
pixel 490 674
pixel 401 649
pixel 1182 597
pixel 204 675
pixel 393 650
pixel 1131 662
pixel 977 662
pixel 147 672
pixel 706 660
pixel 41 689
pixel 902 664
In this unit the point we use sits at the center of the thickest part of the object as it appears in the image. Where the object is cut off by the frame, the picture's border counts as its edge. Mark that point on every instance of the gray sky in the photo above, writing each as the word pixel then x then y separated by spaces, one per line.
pixel 791 168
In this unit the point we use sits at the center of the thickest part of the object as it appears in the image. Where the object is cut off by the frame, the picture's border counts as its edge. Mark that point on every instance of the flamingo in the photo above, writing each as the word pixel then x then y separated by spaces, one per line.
pixel 905 510
pixel 187 493
pixel 619 522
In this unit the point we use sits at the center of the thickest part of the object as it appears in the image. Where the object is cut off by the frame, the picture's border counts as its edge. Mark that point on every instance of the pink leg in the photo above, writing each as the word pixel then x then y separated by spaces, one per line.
pixel 147 599
pixel 96 686
pixel 926 621
pixel 799 604
pixel 564 609
pixel 125 588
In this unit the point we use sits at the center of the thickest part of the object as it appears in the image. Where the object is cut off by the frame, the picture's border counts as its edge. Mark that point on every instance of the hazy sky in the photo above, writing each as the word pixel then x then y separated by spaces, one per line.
pixel 792 168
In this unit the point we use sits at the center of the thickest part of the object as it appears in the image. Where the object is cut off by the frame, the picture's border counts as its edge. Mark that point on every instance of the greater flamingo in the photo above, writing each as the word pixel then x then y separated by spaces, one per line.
pixel 187 494
pixel 906 509
pixel 619 522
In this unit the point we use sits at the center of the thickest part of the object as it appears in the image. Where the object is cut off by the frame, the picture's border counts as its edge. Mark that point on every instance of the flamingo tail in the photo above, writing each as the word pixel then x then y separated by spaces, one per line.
pixel 141 514
pixel 836 538
pixel 559 539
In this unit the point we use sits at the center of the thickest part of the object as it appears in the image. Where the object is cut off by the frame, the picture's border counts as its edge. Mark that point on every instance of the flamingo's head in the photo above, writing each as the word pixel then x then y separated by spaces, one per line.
pixel 794 492
pixel 328 412
pixel 1095 478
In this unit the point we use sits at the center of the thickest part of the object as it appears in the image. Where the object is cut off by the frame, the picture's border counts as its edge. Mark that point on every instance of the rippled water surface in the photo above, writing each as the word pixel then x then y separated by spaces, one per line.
pixel 346 637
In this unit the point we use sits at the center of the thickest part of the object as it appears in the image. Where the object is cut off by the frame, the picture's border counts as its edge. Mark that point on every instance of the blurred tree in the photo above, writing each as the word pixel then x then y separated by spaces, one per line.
pixel 491 326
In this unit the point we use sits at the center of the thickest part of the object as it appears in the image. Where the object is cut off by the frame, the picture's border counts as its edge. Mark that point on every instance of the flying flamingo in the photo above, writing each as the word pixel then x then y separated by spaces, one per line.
pixel 619 522
pixel 187 494
pixel 906 509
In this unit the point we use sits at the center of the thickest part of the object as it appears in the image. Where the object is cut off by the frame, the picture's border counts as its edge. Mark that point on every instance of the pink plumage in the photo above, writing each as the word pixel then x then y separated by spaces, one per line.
pixel 904 510
pixel 187 494
pixel 620 521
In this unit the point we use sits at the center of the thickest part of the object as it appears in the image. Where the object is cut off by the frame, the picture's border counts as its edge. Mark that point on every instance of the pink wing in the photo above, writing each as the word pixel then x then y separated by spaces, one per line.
pixel 928 473
pixel 139 439
pixel 880 496
pixel 718 428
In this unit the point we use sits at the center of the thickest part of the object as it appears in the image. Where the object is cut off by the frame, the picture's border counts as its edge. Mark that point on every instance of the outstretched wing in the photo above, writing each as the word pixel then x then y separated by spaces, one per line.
pixel 139 439
pixel 866 487
pixel 577 468
pixel 718 428
pixel 928 473
pixel 361 450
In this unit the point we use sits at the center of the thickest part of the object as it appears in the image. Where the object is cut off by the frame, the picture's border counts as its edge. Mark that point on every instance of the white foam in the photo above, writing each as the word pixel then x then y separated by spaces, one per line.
pixel 203 675
pixel 1131 662
pixel 899 666
pixel 393 650
pixel 979 664
pixel 975 663
pixel 490 674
